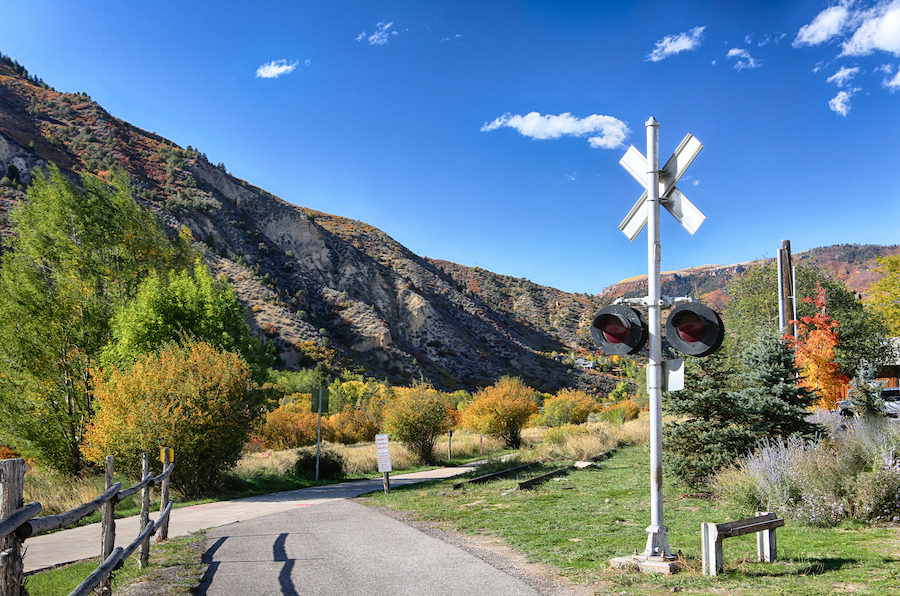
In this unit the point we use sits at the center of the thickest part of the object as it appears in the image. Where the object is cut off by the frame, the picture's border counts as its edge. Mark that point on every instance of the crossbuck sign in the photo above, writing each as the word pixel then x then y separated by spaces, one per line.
pixel 672 199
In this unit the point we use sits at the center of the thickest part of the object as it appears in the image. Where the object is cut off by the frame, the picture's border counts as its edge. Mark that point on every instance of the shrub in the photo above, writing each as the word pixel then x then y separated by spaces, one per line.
pixel 351 427
pixel 194 398
pixel 416 417
pixel 878 493
pixel 501 410
pixel 331 464
pixel 620 413
pixel 567 407
pixel 289 426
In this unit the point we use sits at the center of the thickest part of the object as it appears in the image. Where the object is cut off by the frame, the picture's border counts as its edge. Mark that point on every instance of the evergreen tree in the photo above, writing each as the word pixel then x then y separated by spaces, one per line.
pixel 776 403
pixel 710 427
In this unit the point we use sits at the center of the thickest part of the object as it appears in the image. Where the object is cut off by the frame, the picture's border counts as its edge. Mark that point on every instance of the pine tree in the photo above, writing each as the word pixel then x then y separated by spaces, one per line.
pixel 710 430
pixel 777 403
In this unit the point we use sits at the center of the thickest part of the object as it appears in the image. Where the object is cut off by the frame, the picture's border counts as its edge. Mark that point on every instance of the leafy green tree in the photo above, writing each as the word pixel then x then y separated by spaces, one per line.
pixel 777 405
pixel 193 397
pixel 884 295
pixel 709 427
pixel 77 252
pixel 183 305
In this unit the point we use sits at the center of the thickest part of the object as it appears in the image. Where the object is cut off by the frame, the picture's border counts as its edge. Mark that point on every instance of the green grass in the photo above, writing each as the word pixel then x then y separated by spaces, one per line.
pixel 580 521
pixel 183 553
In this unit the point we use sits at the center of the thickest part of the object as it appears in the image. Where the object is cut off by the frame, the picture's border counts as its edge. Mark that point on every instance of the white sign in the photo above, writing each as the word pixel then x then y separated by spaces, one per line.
pixel 673 199
pixel 384 453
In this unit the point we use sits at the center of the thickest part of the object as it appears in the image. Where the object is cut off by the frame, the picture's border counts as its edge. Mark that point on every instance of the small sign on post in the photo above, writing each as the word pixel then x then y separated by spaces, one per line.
pixel 384 460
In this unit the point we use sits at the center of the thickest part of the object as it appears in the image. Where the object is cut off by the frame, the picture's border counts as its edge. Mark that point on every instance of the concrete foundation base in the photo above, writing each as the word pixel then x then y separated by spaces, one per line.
pixel 646 564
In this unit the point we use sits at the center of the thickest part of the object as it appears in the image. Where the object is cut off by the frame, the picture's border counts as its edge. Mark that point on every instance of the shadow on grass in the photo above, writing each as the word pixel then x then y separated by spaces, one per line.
pixel 805 567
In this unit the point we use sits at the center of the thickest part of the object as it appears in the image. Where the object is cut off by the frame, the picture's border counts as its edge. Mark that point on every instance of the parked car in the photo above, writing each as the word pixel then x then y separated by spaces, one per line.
pixel 890 396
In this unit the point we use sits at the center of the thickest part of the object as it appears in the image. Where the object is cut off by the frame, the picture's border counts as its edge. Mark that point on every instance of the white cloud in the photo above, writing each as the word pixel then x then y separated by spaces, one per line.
pixel 843 76
pixel 745 60
pixel 675 44
pixel 380 37
pixel 307 62
pixel 612 131
pixel 457 36
pixel 276 68
pixel 840 103
pixel 573 176
pixel 890 83
pixel 827 24
pixel 880 30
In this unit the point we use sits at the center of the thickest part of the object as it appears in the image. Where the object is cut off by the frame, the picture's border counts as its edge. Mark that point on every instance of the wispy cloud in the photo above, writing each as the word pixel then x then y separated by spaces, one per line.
pixel 890 83
pixel 840 103
pixel 675 44
pixel 843 76
pixel 829 23
pixel 381 35
pixel 276 68
pixel 745 60
pixel 608 132
pixel 457 36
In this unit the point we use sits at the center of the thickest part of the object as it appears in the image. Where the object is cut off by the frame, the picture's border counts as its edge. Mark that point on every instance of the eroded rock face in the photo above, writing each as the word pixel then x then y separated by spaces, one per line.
pixel 12 154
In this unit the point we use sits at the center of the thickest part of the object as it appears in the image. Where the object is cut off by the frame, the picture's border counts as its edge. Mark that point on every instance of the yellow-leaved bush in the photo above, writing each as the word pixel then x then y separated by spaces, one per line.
pixel 501 410
pixel 192 397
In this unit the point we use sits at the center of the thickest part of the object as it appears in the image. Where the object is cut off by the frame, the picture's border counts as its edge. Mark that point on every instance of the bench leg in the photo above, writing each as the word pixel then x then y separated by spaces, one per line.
pixel 766 545
pixel 711 545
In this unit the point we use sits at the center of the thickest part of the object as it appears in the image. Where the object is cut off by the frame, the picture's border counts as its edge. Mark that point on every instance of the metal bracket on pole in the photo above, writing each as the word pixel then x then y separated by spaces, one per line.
pixel 663 301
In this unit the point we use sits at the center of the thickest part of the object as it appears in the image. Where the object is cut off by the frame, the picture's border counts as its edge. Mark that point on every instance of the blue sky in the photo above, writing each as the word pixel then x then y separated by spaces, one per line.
pixel 489 133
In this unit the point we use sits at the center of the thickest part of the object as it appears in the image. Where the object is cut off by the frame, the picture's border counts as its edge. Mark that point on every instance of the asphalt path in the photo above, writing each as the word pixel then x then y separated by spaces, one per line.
pixel 312 541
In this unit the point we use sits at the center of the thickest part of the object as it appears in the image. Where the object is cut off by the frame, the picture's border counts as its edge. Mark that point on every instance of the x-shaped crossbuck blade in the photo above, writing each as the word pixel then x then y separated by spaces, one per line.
pixel 672 199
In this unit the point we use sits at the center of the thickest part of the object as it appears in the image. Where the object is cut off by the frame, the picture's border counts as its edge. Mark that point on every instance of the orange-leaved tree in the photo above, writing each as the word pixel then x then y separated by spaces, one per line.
pixel 192 397
pixel 501 410
pixel 816 339
pixel 291 425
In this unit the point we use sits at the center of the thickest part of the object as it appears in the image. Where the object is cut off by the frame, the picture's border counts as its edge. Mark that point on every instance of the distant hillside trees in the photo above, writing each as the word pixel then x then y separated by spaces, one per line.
pixel 77 253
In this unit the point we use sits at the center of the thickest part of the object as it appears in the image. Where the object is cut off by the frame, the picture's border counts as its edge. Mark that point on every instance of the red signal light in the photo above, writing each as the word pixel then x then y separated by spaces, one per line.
pixel 695 329
pixel 619 330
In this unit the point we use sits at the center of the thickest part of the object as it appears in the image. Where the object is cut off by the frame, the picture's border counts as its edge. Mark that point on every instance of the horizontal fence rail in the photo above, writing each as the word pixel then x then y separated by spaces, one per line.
pixel 18 523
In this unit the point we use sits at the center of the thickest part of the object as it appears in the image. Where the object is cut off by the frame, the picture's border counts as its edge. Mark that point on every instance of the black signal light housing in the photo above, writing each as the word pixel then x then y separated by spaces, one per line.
pixel 619 330
pixel 694 329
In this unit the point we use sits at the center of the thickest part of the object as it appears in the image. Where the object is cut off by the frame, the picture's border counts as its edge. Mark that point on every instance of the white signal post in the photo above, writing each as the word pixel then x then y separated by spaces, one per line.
pixel 660 189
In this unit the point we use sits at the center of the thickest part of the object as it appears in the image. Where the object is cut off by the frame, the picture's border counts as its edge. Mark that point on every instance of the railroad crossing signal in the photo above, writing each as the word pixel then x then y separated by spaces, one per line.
pixel 694 329
pixel 619 330
pixel 672 199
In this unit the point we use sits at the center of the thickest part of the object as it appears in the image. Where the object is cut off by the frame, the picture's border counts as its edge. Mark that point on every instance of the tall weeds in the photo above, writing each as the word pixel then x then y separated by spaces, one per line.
pixel 852 472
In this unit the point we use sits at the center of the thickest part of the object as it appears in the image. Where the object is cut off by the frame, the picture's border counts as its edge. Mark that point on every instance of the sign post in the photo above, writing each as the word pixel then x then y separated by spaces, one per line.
pixel 320 396
pixel 660 189
pixel 384 460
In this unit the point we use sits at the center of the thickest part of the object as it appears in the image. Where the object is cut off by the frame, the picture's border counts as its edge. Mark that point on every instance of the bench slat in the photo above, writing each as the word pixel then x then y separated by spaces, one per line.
pixel 743 522
pixel 752 528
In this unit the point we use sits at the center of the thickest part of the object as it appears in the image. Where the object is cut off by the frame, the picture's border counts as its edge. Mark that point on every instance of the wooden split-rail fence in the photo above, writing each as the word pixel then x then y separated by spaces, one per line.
pixel 19 522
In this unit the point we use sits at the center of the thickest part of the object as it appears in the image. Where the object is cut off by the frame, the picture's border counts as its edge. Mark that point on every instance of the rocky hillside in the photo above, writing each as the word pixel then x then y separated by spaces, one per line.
pixel 317 285
pixel 323 286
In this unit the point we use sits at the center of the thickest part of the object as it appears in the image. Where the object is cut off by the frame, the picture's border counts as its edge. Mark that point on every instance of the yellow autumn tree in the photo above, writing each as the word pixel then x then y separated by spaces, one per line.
pixel 884 294
pixel 192 397
pixel 501 410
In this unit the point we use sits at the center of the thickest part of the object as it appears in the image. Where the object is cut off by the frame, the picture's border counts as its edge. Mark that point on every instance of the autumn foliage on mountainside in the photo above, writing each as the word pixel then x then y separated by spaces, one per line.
pixel 815 342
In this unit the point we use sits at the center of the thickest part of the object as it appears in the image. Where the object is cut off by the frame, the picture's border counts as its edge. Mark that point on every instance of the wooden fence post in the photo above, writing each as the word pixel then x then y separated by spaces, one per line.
pixel 144 558
pixel 12 485
pixel 163 534
pixel 108 529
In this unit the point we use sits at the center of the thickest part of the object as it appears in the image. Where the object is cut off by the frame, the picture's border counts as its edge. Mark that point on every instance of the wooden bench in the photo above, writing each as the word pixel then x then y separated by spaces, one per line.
pixel 712 535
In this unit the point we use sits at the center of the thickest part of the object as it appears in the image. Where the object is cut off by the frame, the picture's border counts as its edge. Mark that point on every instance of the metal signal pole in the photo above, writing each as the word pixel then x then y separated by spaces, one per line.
pixel 657 541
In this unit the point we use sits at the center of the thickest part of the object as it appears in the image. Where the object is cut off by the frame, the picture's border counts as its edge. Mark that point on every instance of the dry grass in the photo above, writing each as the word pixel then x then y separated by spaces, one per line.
pixel 58 492
pixel 584 441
